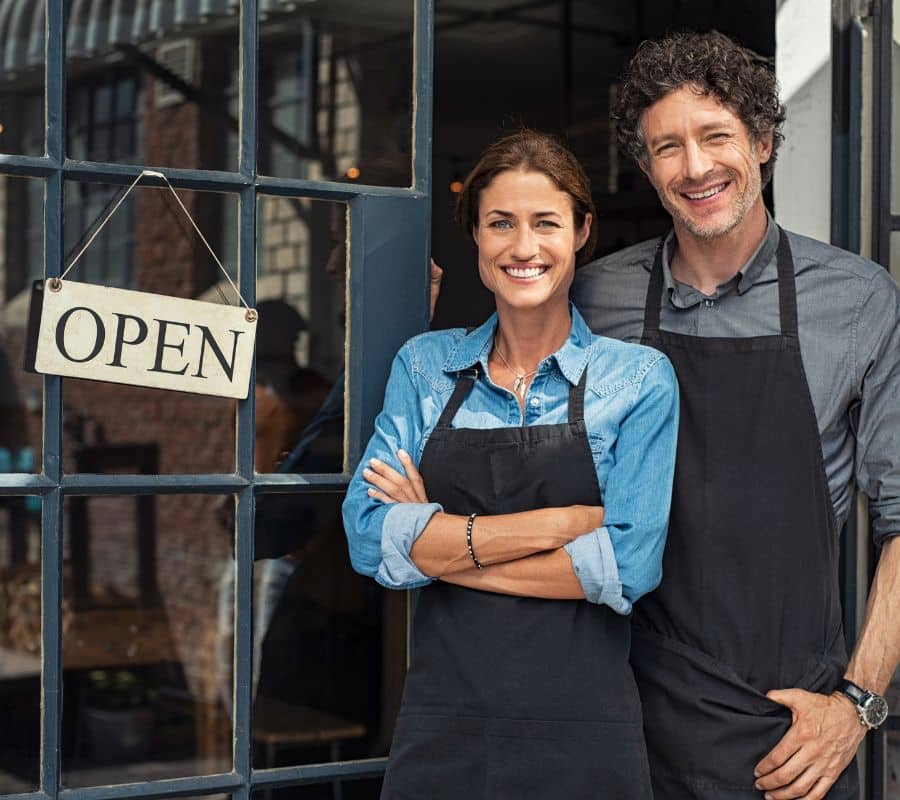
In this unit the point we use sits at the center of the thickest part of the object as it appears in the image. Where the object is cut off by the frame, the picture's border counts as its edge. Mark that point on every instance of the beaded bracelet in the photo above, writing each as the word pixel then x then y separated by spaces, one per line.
pixel 469 525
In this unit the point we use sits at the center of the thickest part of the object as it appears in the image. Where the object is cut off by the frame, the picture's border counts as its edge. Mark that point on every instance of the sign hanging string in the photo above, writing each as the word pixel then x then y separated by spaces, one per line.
pixel 155 174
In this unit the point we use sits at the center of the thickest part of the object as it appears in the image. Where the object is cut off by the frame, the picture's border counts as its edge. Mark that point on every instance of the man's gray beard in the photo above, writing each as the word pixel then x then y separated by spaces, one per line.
pixel 741 208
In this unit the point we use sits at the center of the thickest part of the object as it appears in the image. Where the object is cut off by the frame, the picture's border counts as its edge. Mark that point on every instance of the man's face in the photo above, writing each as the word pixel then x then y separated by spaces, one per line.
pixel 702 162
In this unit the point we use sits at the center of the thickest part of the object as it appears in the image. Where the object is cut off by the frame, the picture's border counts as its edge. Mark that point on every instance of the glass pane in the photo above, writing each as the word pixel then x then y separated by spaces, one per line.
pixel 335 90
pixel 153 84
pixel 893 737
pixel 20 643
pixel 300 336
pixel 895 112
pixel 21 262
pixel 329 645
pixel 143 646
pixel 149 245
pixel 895 255
pixel 22 52
pixel 893 765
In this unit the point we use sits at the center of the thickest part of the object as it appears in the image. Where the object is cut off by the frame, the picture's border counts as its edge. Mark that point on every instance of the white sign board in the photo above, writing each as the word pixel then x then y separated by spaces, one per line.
pixel 141 339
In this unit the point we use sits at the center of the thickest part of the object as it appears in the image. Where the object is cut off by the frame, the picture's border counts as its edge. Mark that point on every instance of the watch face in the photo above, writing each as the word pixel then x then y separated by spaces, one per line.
pixel 875 711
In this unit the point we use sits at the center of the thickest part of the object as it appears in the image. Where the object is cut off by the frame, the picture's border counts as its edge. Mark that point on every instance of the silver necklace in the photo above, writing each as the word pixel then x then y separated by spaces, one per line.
pixel 519 383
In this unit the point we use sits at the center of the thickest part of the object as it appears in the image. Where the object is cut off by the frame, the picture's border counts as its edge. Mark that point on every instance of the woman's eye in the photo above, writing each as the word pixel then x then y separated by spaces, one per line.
pixel 547 223
pixel 502 224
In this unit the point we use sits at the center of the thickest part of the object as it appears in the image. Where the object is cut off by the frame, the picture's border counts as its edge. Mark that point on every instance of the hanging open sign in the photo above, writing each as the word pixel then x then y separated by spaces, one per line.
pixel 82 330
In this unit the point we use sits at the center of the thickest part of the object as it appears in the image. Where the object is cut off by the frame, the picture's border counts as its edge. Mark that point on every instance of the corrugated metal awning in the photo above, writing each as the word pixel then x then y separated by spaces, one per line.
pixel 95 27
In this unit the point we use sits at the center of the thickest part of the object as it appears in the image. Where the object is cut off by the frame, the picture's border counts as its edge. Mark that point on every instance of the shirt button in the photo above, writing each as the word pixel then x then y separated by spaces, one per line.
pixel 535 402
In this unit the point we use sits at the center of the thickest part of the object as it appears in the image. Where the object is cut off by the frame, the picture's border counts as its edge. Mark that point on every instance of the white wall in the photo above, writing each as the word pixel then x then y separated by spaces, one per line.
pixel 802 181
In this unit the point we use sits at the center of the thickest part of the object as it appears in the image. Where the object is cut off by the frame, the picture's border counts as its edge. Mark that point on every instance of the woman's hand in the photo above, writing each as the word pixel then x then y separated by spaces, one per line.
pixel 391 486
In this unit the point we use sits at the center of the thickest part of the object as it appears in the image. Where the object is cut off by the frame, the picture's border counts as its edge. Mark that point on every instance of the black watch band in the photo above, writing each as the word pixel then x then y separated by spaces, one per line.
pixel 871 707
pixel 855 693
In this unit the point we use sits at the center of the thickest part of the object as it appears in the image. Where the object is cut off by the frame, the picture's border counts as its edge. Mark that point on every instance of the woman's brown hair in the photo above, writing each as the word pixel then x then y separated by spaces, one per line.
pixel 531 151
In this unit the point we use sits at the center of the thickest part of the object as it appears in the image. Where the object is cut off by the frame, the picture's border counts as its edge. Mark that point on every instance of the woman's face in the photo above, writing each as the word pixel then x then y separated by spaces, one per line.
pixel 527 240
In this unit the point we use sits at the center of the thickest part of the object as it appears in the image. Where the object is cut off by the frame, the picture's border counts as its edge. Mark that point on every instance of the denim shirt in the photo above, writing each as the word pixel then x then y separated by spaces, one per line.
pixel 631 416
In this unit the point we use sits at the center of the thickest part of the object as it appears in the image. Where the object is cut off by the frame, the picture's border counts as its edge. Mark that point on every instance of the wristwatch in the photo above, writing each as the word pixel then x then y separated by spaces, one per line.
pixel 872 708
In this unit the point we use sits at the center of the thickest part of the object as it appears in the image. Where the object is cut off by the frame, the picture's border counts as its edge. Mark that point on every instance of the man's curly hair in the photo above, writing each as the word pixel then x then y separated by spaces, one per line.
pixel 712 64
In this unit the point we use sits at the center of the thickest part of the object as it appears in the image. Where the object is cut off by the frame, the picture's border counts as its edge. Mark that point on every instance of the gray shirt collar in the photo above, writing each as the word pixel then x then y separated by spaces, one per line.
pixel 683 295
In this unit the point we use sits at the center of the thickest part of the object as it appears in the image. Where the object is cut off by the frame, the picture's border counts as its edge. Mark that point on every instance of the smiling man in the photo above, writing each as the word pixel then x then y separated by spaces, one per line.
pixel 787 352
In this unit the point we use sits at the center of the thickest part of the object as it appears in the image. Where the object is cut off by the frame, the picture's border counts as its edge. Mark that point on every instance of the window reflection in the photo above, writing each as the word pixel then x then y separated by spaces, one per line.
pixel 329 645
pixel 151 83
pixel 300 336
pixel 21 261
pixel 140 628
pixel 20 642
pixel 22 53
pixel 335 91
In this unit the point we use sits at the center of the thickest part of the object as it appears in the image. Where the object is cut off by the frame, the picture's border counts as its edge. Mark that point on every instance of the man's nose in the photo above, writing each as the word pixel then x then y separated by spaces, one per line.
pixel 697 162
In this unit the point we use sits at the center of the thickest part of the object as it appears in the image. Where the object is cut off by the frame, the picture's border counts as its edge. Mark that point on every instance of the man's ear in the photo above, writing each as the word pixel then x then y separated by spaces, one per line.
pixel 764 147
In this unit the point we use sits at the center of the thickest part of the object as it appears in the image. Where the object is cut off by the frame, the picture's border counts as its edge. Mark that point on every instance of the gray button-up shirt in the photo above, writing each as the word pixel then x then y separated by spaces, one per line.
pixel 849 323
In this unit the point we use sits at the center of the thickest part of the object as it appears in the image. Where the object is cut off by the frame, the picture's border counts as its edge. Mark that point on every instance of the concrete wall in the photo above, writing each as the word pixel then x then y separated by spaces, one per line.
pixel 802 181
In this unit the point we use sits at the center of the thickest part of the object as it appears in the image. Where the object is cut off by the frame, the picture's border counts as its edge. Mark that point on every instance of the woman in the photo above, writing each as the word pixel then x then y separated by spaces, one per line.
pixel 520 472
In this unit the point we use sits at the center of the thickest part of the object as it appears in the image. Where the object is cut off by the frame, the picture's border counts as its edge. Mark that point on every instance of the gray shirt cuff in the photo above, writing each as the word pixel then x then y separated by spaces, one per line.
pixel 403 524
pixel 594 562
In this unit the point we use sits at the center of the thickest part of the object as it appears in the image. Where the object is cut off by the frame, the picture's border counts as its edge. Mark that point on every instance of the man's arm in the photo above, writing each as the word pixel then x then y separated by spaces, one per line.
pixel 826 730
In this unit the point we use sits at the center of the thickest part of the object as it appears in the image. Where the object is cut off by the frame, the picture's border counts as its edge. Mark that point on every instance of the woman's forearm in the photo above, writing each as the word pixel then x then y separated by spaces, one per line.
pixel 440 549
pixel 547 575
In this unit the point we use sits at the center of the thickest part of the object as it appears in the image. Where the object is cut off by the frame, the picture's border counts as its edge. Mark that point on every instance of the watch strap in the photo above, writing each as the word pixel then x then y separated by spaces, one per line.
pixel 855 693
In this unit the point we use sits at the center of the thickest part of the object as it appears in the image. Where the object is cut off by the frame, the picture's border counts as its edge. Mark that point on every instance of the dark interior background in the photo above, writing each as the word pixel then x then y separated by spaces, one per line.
pixel 551 65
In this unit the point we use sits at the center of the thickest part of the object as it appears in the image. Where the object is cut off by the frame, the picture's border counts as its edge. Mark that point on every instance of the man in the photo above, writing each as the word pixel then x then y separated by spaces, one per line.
pixel 788 358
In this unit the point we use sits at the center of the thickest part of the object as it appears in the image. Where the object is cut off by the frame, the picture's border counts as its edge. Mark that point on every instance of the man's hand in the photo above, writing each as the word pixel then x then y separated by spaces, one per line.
pixel 434 286
pixel 822 740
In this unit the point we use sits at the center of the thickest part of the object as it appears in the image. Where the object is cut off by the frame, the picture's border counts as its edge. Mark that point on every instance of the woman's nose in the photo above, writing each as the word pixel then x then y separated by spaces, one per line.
pixel 525 245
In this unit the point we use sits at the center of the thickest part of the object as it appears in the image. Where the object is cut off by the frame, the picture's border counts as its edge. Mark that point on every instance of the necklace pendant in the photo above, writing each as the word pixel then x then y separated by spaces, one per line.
pixel 519 385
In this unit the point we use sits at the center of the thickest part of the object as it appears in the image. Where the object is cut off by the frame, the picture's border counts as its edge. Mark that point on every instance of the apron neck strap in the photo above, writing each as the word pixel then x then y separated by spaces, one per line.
pixel 654 291
pixel 576 397
pixel 787 290
pixel 465 380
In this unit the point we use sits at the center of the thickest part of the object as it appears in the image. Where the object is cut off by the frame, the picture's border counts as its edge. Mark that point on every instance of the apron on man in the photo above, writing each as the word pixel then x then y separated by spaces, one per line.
pixel 749 597
pixel 515 697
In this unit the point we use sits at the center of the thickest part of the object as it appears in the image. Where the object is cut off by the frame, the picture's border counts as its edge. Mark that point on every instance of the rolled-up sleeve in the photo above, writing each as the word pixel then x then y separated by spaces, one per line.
pixel 622 561
pixel 381 535
pixel 878 429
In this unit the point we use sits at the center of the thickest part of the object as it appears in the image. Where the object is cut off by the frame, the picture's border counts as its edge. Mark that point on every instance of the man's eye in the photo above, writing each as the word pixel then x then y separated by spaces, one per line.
pixel 665 149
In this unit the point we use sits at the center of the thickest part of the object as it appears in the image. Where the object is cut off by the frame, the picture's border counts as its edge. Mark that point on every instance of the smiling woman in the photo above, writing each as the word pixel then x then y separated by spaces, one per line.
pixel 528 465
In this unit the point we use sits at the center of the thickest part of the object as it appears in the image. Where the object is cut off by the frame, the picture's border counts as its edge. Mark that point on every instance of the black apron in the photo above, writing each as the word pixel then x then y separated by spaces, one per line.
pixel 515 697
pixel 749 597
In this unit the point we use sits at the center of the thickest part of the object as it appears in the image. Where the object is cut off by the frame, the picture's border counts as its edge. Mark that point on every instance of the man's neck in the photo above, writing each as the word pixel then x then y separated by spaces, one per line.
pixel 706 264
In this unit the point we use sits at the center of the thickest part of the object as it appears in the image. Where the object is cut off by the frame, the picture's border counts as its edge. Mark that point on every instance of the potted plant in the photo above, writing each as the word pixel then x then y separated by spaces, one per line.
pixel 118 718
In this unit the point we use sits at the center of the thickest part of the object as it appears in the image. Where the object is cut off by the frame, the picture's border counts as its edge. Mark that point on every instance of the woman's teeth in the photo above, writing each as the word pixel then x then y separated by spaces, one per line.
pixel 707 193
pixel 524 272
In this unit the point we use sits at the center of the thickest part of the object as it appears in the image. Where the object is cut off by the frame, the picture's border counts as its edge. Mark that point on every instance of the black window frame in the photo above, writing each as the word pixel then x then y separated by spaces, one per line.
pixel 388 302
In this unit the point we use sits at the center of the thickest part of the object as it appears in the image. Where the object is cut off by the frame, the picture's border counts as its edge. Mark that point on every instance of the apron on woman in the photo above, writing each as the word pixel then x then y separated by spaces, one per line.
pixel 514 697
pixel 749 596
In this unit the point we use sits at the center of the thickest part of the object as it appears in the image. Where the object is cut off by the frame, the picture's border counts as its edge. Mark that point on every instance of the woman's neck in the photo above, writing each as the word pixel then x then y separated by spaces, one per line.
pixel 527 336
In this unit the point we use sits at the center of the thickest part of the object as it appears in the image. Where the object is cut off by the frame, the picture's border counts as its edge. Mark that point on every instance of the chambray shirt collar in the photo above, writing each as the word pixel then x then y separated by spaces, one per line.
pixel 571 358
pixel 683 295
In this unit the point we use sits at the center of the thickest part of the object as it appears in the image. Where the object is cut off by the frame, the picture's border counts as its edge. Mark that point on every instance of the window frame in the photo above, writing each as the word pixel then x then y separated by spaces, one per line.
pixel 387 292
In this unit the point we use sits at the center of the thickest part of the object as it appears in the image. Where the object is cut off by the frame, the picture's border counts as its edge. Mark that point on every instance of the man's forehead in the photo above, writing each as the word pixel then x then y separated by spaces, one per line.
pixel 688 105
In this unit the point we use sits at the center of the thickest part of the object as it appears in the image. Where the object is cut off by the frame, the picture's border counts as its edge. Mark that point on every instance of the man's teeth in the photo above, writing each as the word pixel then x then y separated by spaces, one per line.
pixel 707 193
pixel 525 272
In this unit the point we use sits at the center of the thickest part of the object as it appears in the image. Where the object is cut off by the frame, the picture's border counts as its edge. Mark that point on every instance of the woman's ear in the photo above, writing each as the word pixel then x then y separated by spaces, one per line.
pixel 584 232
